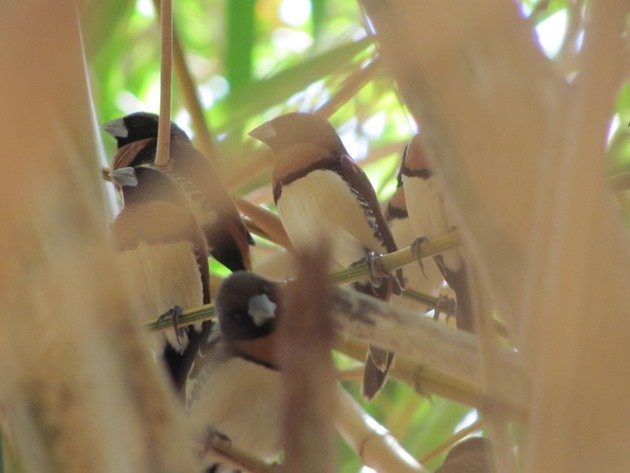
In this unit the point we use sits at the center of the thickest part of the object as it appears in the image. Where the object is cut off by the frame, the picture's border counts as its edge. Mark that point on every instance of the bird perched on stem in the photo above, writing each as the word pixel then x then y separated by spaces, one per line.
pixel 322 194
pixel 136 135
pixel 426 279
pixel 430 217
pixel 235 386
pixel 164 255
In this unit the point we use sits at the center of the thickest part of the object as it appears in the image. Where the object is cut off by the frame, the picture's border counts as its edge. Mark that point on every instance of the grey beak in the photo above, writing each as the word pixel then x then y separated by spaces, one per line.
pixel 264 132
pixel 261 309
pixel 116 128
pixel 124 177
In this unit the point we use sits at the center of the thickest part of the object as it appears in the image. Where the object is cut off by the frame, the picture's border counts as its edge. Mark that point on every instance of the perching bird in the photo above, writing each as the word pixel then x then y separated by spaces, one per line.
pixel 426 280
pixel 321 193
pixel 430 217
pixel 136 135
pixel 235 386
pixel 164 255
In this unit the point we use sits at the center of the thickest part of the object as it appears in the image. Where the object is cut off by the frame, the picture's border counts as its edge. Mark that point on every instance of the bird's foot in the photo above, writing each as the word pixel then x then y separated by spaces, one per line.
pixel 376 270
pixel 445 305
pixel 416 251
pixel 174 314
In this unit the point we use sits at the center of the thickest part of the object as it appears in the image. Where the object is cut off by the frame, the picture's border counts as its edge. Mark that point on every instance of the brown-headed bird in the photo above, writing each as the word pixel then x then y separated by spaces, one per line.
pixel 136 135
pixel 426 279
pixel 430 218
pixel 164 255
pixel 321 193
pixel 234 387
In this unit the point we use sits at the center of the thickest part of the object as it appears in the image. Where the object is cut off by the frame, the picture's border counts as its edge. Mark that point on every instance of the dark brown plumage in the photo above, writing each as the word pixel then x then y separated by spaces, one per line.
pixel 229 240
pixel 321 193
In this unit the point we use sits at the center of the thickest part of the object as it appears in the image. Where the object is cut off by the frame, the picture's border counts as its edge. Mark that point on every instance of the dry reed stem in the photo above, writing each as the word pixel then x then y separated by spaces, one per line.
pixel 452 440
pixel 267 221
pixel 376 447
pixel 81 388
pixel 306 337
pixel 203 139
pixel 166 42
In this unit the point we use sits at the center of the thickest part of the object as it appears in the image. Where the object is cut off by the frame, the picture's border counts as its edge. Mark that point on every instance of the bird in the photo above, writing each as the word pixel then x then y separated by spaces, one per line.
pixel 321 193
pixel 163 252
pixel 426 279
pixel 430 217
pixel 234 387
pixel 136 137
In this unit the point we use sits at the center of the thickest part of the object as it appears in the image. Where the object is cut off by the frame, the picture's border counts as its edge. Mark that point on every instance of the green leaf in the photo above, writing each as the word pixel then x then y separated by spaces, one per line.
pixel 240 36
pixel 258 96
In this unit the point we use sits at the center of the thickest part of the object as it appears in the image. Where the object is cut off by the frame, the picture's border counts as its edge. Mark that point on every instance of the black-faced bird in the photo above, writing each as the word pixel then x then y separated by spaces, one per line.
pixel 136 136
pixel 234 386
pixel 163 253
pixel 321 193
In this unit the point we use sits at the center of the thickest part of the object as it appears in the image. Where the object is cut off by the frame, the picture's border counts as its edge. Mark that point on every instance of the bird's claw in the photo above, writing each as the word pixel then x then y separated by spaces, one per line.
pixel 174 314
pixel 416 251
pixel 212 437
pixel 376 270
pixel 445 305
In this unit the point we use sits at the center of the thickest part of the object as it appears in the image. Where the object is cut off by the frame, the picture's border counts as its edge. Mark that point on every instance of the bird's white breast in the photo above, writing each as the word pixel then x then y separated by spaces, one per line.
pixel 428 215
pixel 161 276
pixel 320 206
pixel 428 282
pixel 242 400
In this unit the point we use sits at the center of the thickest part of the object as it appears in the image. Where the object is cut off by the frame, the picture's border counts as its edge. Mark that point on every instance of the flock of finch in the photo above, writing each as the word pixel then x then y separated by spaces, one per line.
pixel 175 217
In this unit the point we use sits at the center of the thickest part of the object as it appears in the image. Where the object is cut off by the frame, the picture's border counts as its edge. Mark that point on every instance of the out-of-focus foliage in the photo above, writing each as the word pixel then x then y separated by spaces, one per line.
pixel 253 59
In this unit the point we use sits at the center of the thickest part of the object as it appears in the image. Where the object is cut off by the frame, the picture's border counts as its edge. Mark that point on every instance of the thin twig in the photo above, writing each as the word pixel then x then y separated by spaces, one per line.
pixel 452 440
pixel 164 127
pixel 203 138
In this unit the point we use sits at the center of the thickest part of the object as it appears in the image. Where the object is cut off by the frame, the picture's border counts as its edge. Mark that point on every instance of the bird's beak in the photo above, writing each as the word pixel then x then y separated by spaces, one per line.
pixel 264 132
pixel 261 309
pixel 124 177
pixel 116 128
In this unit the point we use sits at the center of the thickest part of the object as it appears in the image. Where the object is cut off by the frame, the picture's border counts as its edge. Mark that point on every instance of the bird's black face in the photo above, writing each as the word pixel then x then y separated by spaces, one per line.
pixel 248 306
pixel 297 128
pixel 138 126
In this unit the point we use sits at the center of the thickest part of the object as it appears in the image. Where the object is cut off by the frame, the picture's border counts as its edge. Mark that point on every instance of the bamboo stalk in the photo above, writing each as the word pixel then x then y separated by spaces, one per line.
pixel 399 258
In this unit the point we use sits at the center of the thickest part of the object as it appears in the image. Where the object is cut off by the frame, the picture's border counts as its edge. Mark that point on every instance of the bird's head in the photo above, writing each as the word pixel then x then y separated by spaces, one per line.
pixel 138 126
pixel 248 306
pixel 296 129
pixel 415 158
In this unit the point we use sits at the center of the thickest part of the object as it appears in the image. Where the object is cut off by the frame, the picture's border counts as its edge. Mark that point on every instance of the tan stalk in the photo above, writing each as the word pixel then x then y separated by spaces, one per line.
pixel 452 440
pixel 267 221
pixel 376 447
pixel 203 138
pixel 305 339
pixel 164 127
